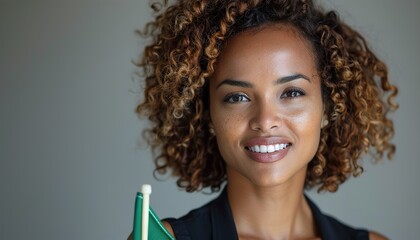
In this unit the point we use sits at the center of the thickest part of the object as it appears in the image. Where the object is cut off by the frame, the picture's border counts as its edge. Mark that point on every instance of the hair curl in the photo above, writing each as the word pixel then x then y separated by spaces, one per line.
pixel 187 39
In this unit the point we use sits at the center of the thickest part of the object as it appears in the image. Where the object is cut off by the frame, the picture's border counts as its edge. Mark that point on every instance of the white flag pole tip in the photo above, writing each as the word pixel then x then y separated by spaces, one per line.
pixel 146 189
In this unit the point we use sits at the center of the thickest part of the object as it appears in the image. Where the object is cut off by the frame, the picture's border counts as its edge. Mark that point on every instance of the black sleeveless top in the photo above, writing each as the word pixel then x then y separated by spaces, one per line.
pixel 214 221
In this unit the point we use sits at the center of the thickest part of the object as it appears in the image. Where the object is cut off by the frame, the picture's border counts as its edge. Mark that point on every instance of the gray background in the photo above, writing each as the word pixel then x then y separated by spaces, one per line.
pixel 70 156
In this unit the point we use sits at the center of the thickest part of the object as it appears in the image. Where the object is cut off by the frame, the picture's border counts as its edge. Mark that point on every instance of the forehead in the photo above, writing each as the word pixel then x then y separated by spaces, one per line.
pixel 266 43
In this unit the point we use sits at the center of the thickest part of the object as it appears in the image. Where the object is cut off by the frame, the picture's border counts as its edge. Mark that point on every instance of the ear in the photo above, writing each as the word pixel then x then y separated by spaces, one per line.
pixel 210 125
pixel 211 129
pixel 324 119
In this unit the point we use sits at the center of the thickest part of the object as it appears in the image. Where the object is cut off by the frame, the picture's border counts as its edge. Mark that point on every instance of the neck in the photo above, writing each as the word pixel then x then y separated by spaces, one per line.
pixel 275 212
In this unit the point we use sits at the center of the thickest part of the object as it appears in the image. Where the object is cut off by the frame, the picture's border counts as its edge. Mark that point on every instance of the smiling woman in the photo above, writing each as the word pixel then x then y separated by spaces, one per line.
pixel 270 97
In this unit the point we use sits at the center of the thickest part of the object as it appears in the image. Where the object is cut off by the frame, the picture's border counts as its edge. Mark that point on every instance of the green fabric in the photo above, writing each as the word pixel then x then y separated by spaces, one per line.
pixel 156 230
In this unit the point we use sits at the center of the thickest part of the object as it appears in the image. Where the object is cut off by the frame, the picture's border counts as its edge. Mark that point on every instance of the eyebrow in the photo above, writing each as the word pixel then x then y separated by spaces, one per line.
pixel 237 83
pixel 245 84
pixel 291 78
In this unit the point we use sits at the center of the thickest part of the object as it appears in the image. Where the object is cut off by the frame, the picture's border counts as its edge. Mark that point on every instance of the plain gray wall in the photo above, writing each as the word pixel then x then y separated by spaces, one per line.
pixel 70 158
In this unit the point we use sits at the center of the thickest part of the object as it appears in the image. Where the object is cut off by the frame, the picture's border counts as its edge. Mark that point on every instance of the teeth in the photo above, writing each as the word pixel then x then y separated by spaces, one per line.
pixel 256 149
pixel 268 148
pixel 263 148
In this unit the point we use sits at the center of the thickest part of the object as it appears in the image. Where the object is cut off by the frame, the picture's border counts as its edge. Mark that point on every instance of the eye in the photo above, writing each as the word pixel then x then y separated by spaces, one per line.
pixel 292 93
pixel 236 98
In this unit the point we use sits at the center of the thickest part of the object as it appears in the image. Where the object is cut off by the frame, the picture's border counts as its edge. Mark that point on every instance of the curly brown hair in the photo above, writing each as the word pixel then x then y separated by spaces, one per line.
pixel 187 38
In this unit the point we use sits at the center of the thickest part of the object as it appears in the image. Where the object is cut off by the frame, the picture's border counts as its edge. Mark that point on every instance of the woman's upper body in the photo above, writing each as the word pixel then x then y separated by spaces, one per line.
pixel 270 96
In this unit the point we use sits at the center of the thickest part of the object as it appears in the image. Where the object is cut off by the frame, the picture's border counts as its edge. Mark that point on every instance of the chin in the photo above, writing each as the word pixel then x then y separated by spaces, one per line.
pixel 270 181
pixel 279 178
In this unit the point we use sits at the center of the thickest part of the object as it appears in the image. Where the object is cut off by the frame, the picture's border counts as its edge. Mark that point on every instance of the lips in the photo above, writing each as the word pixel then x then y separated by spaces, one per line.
pixel 267 149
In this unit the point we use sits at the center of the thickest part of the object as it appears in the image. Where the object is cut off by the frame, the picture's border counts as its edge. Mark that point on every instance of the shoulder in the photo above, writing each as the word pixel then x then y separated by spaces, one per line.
pixel 168 227
pixel 355 233
pixel 197 221
pixel 376 236
pixel 332 228
pixel 343 229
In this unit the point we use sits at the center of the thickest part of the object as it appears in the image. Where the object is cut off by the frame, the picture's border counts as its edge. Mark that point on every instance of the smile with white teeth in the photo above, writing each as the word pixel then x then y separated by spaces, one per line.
pixel 268 148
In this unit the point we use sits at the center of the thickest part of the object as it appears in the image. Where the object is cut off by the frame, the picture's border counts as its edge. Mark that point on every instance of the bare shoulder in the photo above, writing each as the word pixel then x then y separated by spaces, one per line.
pixel 376 236
pixel 168 227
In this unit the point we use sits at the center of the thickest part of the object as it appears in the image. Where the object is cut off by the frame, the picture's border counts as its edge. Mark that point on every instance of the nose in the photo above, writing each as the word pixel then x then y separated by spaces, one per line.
pixel 265 118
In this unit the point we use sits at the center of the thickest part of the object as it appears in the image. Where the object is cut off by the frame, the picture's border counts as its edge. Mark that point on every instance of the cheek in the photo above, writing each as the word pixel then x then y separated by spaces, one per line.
pixel 307 128
pixel 223 125
pixel 224 119
pixel 229 126
pixel 226 123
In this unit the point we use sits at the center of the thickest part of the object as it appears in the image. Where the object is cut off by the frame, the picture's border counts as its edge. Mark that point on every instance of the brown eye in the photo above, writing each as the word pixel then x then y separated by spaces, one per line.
pixel 236 98
pixel 293 93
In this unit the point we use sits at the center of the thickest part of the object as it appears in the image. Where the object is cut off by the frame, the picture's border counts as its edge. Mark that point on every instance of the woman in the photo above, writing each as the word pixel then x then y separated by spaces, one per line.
pixel 269 97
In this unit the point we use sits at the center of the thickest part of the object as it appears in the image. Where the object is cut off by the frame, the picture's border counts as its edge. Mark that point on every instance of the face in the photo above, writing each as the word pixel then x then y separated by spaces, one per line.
pixel 266 105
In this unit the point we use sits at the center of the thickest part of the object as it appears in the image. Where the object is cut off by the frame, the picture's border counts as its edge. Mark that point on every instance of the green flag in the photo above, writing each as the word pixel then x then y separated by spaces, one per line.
pixel 156 229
